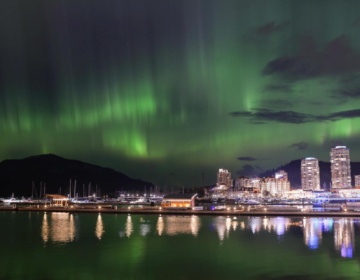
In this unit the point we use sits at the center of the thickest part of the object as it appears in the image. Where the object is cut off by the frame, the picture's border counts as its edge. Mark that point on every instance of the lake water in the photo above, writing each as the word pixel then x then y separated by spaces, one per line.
pixel 113 246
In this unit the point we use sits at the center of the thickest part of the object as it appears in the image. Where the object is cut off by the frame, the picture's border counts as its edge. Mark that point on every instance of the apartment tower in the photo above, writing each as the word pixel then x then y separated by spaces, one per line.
pixel 340 167
pixel 357 181
pixel 224 178
pixel 310 174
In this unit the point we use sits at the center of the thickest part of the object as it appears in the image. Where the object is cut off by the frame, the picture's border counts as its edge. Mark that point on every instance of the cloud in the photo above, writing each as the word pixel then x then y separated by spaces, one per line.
pixel 249 170
pixel 277 103
pixel 350 114
pixel 283 88
pixel 263 32
pixel 336 58
pixel 299 146
pixel 267 115
pixel 270 28
pixel 261 116
pixel 246 158
pixel 349 89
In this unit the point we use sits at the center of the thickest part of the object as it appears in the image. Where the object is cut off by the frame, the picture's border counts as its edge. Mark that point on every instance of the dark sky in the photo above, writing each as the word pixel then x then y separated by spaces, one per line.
pixel 169 91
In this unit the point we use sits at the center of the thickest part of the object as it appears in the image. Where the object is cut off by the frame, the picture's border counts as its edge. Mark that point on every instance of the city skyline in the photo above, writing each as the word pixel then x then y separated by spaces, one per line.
pixel 169 91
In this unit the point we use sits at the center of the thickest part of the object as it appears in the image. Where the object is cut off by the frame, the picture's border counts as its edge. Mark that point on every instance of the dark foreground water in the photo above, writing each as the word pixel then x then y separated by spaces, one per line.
pixel 107 246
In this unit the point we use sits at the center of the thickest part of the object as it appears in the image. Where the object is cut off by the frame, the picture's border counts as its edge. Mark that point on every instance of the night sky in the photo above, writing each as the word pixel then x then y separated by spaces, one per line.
pixel 171 91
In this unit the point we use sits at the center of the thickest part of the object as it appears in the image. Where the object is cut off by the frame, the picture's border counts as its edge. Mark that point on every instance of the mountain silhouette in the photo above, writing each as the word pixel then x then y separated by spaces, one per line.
pixel 294 174
pixel 53 173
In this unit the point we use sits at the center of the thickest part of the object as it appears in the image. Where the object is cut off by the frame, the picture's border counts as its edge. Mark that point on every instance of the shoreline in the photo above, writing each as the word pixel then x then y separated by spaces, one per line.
pixel 182 212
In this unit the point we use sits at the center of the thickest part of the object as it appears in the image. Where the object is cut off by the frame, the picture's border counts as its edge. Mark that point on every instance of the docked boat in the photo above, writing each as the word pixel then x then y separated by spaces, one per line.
pixel 13 200
pixel 251 202
pixel 141 200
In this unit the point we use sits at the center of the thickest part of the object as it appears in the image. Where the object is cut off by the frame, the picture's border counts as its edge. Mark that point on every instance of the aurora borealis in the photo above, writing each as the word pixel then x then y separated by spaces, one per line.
pixel 167 91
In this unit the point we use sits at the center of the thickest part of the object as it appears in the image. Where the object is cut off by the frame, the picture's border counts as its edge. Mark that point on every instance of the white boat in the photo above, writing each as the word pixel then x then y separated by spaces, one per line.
pixel 251 202
pixel 140 200
pixel 11 200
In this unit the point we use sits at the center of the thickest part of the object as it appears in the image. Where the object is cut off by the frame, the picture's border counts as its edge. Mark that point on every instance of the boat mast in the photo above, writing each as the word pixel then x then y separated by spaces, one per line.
pixel 32 190
pixel 75 189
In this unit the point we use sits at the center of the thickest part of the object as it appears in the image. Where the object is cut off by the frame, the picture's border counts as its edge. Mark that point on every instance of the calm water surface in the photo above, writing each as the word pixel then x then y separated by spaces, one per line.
pixel 107 246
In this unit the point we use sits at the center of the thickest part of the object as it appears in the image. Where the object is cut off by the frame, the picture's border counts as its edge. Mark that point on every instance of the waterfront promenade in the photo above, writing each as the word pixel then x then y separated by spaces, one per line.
pixel 155 210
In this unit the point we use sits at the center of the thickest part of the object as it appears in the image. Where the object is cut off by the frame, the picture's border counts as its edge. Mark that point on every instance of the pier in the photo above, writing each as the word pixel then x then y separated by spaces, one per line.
pixel 155 210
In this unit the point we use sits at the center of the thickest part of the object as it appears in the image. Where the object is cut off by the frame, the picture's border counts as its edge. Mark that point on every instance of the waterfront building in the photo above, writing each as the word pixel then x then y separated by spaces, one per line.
pixel 340 167
pixel 179 200
pixel 357 181
pixel 224 183
pixel 277 185
pixel 349 193
pixel 57 199
pixel 281 174
pixel 242 183
pixel 310 174
pixel 224 178
pixel 255 183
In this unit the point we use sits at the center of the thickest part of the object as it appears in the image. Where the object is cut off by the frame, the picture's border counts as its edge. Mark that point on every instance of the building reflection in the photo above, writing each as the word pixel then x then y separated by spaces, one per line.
pixel 234 224
pixel 194 225
pixel 144 227
pixel 344 237
pixel 173 225
pixel 255 224
pixel 99 229
pixel 313 229
pixel 182 225
pixel 128 226
pixel 279 225
pixel 160 225
pixel 222 227
pixel 45 231
pixel 58 227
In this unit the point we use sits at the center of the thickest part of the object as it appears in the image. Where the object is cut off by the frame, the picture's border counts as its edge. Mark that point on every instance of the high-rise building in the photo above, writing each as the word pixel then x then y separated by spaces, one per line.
pixel 224 178
pixel 277 185
pixel 357 181
pixel 281 174
pixel 340 167
pixel 310 174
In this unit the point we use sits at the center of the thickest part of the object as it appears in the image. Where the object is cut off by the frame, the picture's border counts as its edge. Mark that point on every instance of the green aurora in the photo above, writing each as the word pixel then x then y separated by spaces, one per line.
pixel 170 91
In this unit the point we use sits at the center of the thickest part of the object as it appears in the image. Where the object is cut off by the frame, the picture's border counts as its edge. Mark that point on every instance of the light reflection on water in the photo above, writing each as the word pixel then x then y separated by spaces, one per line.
pixel 160 225
pixel 173 225
pixel 99 230
pixel 344 237
pixel 62 227
pixel 279 225
pixel 128 228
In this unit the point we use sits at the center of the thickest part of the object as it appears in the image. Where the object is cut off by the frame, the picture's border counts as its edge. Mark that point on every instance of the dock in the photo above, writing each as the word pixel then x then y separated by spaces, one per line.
pixel 155 210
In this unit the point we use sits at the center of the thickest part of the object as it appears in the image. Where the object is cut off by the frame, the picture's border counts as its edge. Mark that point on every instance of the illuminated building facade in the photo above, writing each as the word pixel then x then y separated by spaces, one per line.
pixel 224 178
pixel 244 182
pixel 357 181
pixel 184 201
pixel 340 167
pixel 310 174
pixel 277 185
